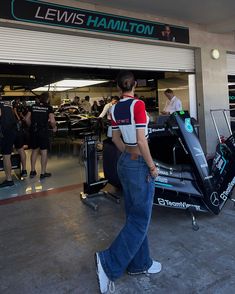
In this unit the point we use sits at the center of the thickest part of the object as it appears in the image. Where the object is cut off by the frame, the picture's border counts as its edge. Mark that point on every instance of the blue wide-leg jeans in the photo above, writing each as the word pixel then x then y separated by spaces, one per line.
pixel 130 250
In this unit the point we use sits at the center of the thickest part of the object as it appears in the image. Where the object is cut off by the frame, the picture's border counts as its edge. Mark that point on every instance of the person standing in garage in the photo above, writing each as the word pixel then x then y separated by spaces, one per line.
pixel 9 138
pixel 19 143
pixel 86 105
pixel 107 112
pixel 137 173
pixel 38 118
pixel 172 104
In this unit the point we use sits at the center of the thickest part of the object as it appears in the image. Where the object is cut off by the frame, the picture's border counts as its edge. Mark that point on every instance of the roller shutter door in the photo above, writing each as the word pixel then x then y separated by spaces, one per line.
pixel 34 47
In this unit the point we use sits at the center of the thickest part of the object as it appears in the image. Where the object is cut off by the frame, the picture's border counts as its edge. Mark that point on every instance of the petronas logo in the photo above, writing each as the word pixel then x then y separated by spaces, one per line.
pixel 188 125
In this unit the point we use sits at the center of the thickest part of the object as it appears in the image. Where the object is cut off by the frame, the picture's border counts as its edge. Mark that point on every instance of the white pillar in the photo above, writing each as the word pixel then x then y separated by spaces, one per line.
pixel 192 96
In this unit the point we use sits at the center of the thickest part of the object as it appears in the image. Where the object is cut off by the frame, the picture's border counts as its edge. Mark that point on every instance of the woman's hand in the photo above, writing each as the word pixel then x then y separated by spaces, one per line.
pixel 153 171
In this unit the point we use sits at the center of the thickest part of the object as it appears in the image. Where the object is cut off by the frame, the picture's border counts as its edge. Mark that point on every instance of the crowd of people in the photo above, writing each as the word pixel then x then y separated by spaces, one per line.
pixel 99 108
pixel 21 125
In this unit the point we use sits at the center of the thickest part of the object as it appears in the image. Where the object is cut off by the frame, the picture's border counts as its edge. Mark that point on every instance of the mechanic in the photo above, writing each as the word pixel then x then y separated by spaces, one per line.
pixel 20 134
pixel 8 138
pixel 38 118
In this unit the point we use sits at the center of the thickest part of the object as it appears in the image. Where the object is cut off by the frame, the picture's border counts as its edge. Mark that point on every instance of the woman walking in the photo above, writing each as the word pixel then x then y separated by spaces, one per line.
pixel 137 172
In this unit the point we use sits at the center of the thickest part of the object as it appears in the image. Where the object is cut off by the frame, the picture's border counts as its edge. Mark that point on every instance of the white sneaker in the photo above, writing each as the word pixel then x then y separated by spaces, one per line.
pixel 155 268
pixel 104 283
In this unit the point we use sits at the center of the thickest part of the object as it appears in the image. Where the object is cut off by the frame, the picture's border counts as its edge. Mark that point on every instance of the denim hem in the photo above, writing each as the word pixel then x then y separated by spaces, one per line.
pixel 103 263
pixel 140 271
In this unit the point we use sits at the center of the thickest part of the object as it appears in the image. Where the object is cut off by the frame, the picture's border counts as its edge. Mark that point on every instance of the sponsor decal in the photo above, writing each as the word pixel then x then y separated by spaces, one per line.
pixel 199 153
pixel 159 184
pixel 188 126
pixel 150 130
pixel 220 162
pixel 208 177
pixel 162 179
pixel 225 194
pixel 163 172
pixel 181 205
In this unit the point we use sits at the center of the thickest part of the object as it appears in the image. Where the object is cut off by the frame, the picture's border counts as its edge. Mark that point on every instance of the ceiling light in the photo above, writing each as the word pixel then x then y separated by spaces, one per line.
pixel 65 85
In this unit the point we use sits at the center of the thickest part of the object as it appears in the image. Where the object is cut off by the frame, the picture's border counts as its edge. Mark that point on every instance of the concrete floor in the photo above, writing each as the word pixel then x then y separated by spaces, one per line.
pixel 66 168
pixel 47 246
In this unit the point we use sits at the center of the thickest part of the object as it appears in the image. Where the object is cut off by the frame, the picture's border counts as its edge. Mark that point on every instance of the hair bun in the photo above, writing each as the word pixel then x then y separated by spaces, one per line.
pixel 126 81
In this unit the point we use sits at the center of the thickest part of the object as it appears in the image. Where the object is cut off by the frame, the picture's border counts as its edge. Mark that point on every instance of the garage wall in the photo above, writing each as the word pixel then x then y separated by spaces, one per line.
pixel 231 64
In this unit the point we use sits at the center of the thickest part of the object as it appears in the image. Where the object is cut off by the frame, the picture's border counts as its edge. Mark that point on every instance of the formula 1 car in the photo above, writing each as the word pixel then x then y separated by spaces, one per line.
pixel 192 183
pixel 71 123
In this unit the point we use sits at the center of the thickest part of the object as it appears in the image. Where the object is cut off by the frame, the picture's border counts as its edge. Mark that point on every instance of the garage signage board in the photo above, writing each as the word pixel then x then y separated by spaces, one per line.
pixel 45 13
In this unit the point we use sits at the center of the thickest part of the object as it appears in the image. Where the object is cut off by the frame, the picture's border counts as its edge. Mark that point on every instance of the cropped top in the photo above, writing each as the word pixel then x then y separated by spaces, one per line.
pixel 128 115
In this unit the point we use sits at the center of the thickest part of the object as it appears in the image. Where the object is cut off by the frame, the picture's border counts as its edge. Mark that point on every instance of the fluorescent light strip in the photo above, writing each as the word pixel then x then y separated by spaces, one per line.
pixel 65 85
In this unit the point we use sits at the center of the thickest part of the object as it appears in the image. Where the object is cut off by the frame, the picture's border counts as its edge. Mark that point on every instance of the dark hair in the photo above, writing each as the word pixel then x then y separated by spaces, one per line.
pixel 116 98
pixel 125 80
pixel 44 97
pixel 87 98
pixel 169 91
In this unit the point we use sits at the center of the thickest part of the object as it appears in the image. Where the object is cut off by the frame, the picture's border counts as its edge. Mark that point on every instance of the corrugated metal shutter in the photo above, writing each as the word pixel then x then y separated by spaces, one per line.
pixel 231 64
pixel 33 47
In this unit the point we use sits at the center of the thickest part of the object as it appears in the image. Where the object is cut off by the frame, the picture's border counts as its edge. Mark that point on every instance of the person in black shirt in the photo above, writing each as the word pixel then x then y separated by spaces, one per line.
pixel 24 111
pixel 20 135
pixel 8 135
pixel 16 108
pixel 8 138
pixel 95 108
pixel 38 118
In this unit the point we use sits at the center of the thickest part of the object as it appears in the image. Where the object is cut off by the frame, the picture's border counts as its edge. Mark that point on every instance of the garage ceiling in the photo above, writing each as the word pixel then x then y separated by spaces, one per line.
pixel 217 15
pixel 29 77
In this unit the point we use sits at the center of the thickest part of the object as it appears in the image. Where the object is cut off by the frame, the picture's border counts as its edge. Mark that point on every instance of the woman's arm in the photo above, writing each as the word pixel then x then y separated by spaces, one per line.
pixel 105 110
pixel 117 140
pixel 145 152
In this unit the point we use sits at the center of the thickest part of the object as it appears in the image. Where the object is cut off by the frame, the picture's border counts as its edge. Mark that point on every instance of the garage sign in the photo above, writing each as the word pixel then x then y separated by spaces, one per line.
pixel 44 13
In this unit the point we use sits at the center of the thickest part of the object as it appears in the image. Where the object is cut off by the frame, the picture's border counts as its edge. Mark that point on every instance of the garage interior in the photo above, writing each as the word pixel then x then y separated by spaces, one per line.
pixel 18 80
